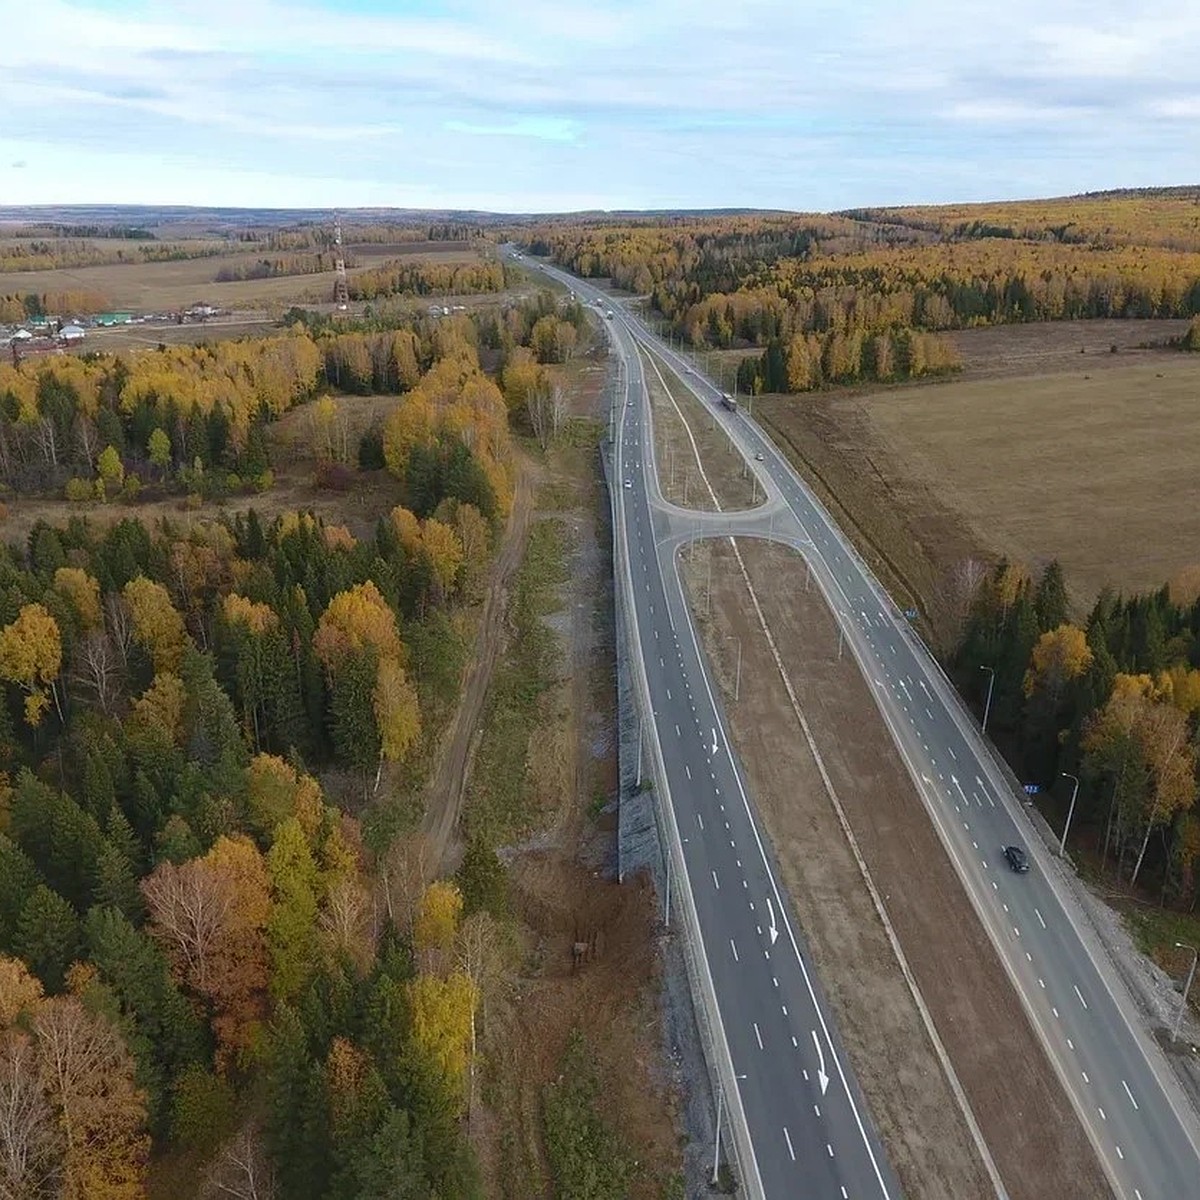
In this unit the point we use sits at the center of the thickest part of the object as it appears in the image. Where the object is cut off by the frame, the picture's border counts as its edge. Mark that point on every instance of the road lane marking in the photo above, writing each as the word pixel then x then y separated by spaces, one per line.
pixel 1054 1011
pixel 1129 1094
pixel 952 754
pixel 733 947
pixel 1080 995
pixel 677 733
pixel 1119 1154
pixel 789 1144
pixel 687 770
pixel 757 1035
pixel 700 821
pixel 716 881
pixel 1040 917
pixel 1101 1112
pixel 829 1148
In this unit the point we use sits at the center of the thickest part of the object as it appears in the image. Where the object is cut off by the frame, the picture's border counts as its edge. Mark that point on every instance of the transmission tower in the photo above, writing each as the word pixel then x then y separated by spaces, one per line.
pixel 341 294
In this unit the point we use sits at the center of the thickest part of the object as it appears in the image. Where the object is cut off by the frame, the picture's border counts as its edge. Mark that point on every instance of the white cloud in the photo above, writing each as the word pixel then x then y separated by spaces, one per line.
pixel 622 101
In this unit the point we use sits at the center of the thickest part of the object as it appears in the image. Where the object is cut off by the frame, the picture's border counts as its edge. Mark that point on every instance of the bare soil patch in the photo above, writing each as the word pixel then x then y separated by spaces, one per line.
pixel 1052 346
pixel 1010 1085
pixel 686 437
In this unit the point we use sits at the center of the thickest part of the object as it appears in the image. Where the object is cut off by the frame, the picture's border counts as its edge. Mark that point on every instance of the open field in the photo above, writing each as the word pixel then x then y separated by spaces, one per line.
pixel 1094 469
pixel 1031 1131
pixel 154 287
pixel 685 430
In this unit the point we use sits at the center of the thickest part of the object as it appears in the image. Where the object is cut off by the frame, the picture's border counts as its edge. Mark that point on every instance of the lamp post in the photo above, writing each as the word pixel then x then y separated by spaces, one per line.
pixel 717 1148
pixel 1186 988
pixel 987 708
pixel 1062 843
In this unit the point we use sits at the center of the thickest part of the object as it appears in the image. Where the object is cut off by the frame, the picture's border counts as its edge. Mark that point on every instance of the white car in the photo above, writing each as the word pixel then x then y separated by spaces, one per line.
pixel 758 457
pixel 629 483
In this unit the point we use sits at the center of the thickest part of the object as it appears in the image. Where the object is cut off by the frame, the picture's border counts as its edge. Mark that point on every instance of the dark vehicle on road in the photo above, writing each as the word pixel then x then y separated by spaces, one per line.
pixel 1017 859
pixel 729 402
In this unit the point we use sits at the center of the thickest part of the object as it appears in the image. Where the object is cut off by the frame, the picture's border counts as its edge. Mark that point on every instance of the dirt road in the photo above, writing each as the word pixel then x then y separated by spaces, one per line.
pixel 1032 1132
pixel 447 784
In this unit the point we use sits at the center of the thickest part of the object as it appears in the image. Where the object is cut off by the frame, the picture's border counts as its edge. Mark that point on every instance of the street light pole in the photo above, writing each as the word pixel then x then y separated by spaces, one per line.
pixel 1062 845
pixel 1186 988
pixel 987 708
pixel 639 758
pixel 717 1148
pixel 737 675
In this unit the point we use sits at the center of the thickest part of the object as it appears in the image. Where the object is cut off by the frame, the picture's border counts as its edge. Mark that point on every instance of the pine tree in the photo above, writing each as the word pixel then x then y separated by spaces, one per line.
pixel 48 936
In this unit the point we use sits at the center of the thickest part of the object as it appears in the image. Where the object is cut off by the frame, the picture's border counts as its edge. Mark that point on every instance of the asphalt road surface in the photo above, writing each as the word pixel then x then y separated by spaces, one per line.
pixel 809 1128
pixel 1142 1127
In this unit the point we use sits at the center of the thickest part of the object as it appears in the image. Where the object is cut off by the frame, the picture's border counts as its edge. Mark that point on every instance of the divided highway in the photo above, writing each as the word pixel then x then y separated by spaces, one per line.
pixel 808 1126
pixel 776 1022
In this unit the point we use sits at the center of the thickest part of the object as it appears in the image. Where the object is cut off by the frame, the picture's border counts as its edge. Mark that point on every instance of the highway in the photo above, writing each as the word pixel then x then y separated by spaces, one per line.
pixel 809 1128
pixel 1141 1125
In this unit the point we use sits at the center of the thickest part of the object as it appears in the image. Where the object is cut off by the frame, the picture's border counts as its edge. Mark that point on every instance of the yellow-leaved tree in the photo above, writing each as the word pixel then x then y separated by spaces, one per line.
pixel 31 656
pixel 82 591
pixel 443 1011
pixel 156 624
pixel 1059 656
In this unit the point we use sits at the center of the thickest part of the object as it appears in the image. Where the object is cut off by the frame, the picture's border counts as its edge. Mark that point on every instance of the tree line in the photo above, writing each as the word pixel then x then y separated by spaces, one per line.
pixel 274 268
pixel 1114 700
pixel 55 254
pixel 748 281
pixel 401 277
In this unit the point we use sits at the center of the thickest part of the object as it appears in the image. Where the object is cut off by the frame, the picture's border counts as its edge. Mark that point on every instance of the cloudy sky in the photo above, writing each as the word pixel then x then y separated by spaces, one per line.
pixel 542 105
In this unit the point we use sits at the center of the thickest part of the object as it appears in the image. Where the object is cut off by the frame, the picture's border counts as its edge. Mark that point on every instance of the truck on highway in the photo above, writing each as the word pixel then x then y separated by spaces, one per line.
pixel 729 402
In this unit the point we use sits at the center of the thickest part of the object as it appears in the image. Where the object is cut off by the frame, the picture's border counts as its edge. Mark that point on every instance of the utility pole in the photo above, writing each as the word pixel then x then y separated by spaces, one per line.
pixel 737 674
pixel 639 757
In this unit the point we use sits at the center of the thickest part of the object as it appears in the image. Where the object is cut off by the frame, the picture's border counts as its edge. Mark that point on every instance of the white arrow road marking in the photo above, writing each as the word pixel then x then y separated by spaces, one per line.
pixel 771 913
pixel 954 780
pixel 714 746
pixel 822 1078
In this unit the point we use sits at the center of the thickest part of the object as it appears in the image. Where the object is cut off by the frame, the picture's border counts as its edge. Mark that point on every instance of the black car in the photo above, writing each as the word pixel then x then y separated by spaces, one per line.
pixel 1017 859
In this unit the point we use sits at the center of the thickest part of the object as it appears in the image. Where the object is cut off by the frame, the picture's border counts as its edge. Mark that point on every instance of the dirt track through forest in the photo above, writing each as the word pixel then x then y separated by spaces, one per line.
pixel 447 785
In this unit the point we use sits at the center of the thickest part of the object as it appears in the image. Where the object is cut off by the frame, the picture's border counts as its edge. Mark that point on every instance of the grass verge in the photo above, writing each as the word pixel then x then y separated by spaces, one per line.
pixel 684 430
pixel 501 804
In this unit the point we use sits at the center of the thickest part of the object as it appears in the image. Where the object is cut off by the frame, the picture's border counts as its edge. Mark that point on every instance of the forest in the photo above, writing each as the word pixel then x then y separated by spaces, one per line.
pixel 838 298
pixel 216 955
pixel 1114 701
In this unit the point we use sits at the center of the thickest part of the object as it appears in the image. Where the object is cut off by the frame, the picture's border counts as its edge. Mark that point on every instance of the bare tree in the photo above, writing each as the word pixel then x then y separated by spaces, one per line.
pixel 408 867
pixel 547 407
pixel 98 670
pixel 30 1139
pixel 346 922
pixel 120 625
pixel 242 1169
pixel 43 431
pixel 962 584
pixel 85 430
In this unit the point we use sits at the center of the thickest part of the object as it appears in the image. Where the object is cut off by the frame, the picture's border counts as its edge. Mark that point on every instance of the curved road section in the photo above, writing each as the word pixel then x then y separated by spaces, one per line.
pixel 1142 1127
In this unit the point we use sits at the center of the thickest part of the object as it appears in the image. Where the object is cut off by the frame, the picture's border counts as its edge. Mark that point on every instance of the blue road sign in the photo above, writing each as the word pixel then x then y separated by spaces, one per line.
pixel 911 613
pixel 1032 789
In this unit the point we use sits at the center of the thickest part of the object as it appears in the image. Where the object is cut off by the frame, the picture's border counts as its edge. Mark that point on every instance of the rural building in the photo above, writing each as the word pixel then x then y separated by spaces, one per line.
pixel 72 333
pixel 113 318
pixel 22 335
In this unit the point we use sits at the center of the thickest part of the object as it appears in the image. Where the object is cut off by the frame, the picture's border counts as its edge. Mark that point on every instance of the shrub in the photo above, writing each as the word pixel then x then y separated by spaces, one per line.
pixel 333 477
pixel 79 489
pixel 370 450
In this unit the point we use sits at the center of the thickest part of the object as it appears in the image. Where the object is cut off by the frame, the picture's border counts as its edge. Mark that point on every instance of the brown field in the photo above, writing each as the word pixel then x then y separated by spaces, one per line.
pixel 154 287
pixel 1090 461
